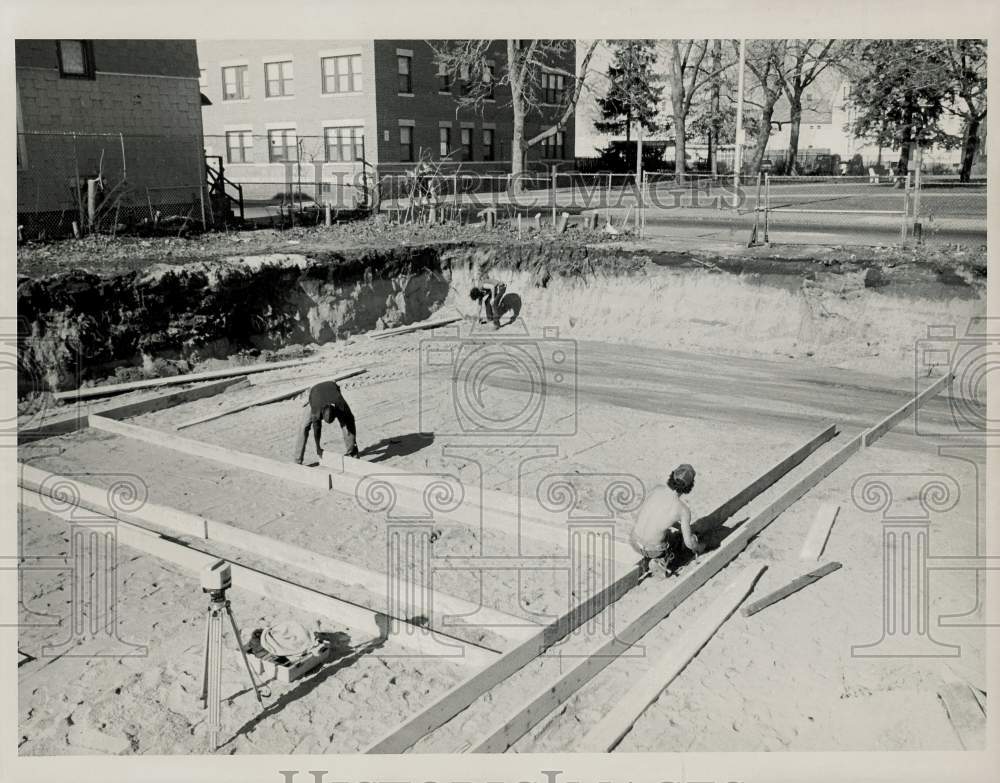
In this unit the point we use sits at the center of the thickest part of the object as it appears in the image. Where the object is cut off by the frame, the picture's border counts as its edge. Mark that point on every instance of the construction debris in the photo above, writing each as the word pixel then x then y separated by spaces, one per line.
pixel 815 543
pixel 792 587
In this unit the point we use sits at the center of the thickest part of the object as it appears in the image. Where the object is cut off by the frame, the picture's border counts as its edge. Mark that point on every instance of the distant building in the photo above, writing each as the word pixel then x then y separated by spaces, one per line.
pixel 128 111
pixel 333 108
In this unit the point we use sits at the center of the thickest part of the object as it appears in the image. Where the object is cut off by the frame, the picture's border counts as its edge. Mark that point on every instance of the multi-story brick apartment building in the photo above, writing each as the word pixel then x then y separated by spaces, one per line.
pixel 128 111
pixel 326 105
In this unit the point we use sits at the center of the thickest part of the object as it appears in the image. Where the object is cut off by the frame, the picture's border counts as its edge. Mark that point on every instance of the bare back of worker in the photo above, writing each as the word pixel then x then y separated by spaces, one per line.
pixel 662 510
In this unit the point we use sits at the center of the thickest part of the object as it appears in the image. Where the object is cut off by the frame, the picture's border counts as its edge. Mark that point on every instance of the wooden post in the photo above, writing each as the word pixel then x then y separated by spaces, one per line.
pixel 638 178
pixel 91 202
pixel 326 214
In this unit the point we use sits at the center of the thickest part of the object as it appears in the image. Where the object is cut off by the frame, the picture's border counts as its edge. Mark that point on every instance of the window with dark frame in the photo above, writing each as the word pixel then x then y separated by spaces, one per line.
pixel 403 67
pixel 239 147
pixel 444 137
pixel 444 79
pixel 489 76
pixel 278 79
pixel 76 59
pixel 554 86
pixel 341 73
pixel 282 145
pixel 488 144
pixel 467 151
pixel 406 143
pixel 344 144
pixel 235 83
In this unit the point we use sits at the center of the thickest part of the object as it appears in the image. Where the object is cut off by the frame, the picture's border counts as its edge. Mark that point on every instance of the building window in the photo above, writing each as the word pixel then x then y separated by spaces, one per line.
pixel 444 79
pixel 76 59
pixel 405 83
pixel 278 79
pixel 489 76
pixel 282 145
pixel 235 83
pixel 467 152
pixel 202 78
pixel 406 143
pixel 342 74
pixel 488 144
pixel 344 143
pixel 554 146
pixel 444 135
pixel 554 87
pixel 239 147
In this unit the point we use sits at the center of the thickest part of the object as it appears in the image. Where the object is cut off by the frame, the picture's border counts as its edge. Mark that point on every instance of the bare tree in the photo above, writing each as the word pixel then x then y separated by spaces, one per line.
pixel 765 60
pixel 532 70
pixel 687 75
pixel 805 60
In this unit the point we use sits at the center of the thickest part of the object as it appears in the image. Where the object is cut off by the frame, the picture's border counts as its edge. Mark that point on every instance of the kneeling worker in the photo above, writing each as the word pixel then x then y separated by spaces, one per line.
pixel 326 403
pixel 488 293
pixel 654 534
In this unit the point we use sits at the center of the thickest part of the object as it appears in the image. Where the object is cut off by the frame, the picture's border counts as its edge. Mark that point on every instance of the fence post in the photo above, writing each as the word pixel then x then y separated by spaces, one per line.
pixel 917 228
pixel 906 207
pixel 552 193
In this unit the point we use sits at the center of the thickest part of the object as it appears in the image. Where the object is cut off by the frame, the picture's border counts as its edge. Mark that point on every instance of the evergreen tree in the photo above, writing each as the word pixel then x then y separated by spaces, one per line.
pixel 634 91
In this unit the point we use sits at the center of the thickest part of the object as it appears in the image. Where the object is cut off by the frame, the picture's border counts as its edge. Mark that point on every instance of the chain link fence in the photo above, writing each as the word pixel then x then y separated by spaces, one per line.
pixel 78 183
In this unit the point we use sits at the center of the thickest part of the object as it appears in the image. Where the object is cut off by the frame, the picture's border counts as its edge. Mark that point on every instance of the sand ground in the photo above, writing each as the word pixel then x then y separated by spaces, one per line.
pixel 782 679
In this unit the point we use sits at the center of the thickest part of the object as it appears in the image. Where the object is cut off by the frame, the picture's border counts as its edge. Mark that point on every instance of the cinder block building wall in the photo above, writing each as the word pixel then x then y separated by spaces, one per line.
pixel 74 98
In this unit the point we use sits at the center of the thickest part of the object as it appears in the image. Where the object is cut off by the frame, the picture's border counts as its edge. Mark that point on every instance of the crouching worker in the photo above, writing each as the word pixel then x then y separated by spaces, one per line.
pixel 326 403
pixel 654 536
pixel 488 293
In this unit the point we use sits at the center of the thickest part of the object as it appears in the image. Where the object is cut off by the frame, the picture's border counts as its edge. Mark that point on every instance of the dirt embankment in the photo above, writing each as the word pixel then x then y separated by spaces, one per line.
pixel 88 323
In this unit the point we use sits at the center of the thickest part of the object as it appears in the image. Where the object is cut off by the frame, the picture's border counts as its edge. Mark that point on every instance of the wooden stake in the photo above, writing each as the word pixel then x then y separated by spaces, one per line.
pixel 818 534
pixel 118 388
pixel 618 722
pixel 792 587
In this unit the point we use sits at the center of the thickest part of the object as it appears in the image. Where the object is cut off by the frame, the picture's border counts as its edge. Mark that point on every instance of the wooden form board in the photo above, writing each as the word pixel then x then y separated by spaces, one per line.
pixel 890 421
pixel 150 383
pixel 796 584
pixel 415 327
pixel 815 543
pixel 420 641
pixel 503 624
pixel 522 719
pixel 75 419
pixel 501 512
pixel 289 471
pixel 286 394
pixel 444 709
pixel 619 720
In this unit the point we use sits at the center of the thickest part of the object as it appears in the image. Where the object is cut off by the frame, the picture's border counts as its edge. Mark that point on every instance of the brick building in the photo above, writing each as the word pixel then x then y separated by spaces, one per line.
pixel 128 111
pixel 324 106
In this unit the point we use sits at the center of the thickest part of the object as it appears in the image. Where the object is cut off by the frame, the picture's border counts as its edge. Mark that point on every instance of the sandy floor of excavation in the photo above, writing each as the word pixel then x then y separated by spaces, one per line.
pixel 784 678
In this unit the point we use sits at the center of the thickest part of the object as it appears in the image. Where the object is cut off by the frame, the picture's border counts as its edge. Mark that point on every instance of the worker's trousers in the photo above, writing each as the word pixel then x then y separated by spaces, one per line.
pixel 347 428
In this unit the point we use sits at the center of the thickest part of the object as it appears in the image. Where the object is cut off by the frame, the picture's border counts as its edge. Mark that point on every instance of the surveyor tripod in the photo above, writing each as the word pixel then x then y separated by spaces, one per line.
pixel 211 683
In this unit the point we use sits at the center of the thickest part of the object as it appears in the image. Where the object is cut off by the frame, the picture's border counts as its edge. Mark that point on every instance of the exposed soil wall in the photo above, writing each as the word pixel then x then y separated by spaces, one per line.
pixel 81 326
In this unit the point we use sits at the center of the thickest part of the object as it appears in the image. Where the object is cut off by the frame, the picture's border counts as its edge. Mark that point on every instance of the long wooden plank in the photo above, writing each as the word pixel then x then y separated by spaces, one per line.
pixel 288 471
pixel 816 538
pixel 793 586
pixel 173 380
pixel 444 709
pixel 619 720
pixel 521 720
pixel 414 327
pixel 498 512
pixel 901 413
pixel 76 419
pixel 418 640
pixel 275 397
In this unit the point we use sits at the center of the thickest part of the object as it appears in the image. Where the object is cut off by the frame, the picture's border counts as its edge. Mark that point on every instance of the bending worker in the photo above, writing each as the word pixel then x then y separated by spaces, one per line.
pixel 326 403
pixel 488 293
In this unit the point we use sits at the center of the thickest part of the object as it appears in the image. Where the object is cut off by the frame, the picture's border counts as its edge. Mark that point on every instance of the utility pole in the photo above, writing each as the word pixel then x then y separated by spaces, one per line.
pixel 713 133
pixel 738 156
pixel 638 174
